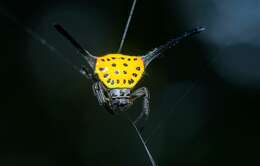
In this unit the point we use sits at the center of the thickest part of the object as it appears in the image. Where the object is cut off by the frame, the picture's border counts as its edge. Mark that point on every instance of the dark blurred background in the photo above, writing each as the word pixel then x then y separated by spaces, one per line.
pixel 204 92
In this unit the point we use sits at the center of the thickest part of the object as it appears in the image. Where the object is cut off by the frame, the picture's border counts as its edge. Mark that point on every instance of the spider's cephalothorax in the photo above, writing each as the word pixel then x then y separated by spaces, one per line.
pixel 114 76
pixel 120 99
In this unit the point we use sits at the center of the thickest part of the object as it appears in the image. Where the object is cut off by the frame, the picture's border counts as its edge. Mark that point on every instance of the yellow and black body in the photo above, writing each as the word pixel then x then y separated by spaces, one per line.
pixel 119 71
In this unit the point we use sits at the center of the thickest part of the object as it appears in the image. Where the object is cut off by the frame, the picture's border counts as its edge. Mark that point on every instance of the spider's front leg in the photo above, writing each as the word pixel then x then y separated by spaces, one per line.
pixel 86 72
pixel 142 92
pixel 99 93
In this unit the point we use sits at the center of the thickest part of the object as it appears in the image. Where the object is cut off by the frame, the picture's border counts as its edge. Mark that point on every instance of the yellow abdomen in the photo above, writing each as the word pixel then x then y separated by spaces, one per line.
pixel 119 71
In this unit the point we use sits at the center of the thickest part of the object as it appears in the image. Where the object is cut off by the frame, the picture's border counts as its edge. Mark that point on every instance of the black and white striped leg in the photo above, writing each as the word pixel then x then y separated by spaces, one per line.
pixel 142 92
pixel 99 93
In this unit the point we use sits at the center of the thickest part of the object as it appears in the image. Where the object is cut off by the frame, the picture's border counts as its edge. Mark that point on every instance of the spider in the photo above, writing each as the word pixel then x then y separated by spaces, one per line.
pixel 114 76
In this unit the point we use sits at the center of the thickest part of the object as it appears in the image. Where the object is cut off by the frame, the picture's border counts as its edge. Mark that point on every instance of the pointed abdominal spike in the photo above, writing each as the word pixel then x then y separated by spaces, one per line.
pixel 157 51
pixel 88 56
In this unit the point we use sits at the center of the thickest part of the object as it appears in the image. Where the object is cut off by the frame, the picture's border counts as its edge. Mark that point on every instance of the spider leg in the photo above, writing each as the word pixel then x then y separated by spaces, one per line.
pixel 99 93
pixel 87 73
pixel 91 60
pixel 142 92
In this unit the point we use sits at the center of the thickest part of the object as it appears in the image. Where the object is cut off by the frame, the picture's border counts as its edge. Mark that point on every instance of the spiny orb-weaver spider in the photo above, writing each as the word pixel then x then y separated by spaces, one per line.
pixel 115 75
